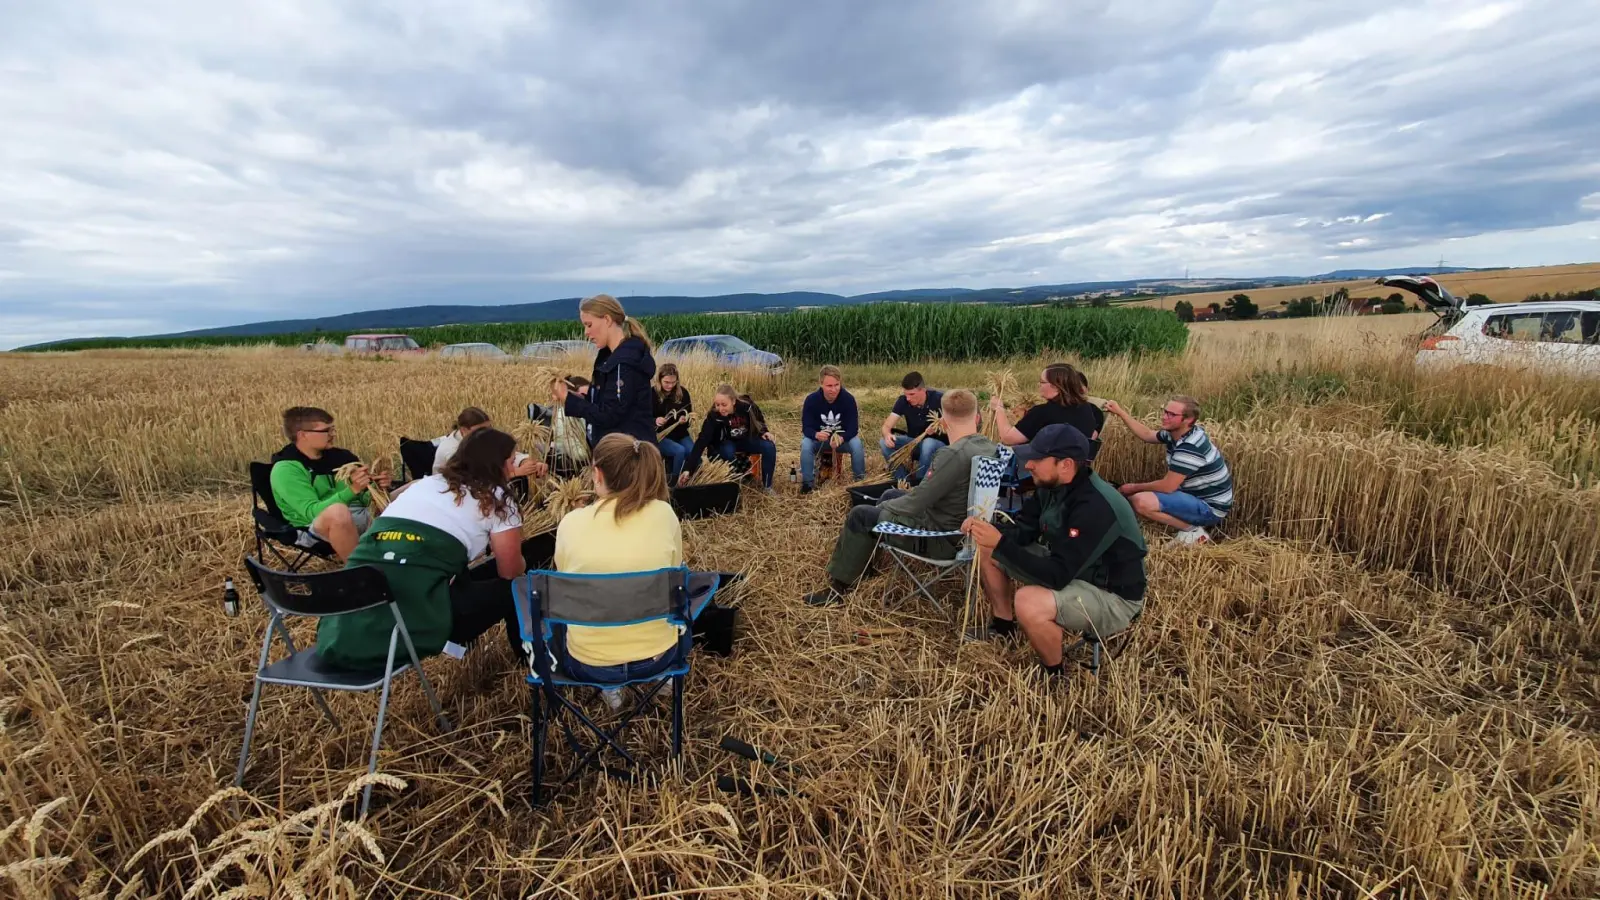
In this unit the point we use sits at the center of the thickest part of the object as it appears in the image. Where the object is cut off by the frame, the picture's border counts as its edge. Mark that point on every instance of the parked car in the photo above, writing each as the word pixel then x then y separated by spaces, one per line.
pixel 473 350
pixel 383 344
pixel 1555 336
pixel 557 349
pixel 724 348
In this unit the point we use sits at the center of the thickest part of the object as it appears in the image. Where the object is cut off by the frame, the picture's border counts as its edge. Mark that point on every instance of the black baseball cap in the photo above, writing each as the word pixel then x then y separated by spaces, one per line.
pixel 1056 442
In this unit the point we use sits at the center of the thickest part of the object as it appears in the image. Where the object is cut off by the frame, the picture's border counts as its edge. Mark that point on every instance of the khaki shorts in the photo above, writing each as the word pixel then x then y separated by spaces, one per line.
pixel 1081 607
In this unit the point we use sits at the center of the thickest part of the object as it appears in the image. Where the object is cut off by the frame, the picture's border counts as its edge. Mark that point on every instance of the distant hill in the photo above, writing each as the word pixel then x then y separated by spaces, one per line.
pixel 401 318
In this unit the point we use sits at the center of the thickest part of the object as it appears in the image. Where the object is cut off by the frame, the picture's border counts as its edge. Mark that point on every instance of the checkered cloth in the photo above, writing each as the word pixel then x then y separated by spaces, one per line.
pixel 907 531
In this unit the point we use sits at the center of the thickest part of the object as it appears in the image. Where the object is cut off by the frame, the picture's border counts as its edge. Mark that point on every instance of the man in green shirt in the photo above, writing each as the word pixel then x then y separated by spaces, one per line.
pixel 939 503
pixel 305 489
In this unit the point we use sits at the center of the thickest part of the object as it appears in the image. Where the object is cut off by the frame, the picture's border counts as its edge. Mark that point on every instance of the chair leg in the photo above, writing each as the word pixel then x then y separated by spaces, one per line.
pixel 427 687
pixel 377 730
pixel 249 733
pixel 677 716
pixel 540 730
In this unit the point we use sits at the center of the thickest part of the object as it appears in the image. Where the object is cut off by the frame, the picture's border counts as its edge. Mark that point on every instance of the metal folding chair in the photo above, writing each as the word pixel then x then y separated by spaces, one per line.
pixel 983 493
pixel 545 599
pixel 273 532
pixel 322 595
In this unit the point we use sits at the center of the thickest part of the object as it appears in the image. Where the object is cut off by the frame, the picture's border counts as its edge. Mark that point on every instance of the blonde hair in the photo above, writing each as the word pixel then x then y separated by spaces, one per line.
pixel 606 306
pixel 960 403
pixel 633 473
pixel 830 372
pixel 1191 406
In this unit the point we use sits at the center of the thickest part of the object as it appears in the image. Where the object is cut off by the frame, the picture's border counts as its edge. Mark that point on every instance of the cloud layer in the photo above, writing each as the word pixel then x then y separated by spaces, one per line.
pixel 174 164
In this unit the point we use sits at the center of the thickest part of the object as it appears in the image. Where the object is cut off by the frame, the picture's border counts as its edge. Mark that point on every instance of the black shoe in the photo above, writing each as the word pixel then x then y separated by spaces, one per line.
pixel 807 488
pixel 1004 628
pixel 826 597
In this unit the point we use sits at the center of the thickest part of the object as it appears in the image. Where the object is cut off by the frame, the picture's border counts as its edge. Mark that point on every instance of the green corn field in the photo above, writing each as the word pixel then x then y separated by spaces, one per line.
pixel 868 333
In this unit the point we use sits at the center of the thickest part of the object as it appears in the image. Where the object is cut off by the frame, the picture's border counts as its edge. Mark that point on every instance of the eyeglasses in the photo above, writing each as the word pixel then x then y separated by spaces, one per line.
pixel 329 430
pixel 1170 414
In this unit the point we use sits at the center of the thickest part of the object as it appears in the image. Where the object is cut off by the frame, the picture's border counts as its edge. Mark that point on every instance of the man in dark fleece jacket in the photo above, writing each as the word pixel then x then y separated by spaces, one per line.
pixel 1076 549
pixel 829 418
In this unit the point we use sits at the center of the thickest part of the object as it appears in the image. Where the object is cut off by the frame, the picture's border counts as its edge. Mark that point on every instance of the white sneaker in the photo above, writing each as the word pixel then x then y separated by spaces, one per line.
pixel 1190 536
pixel 613 698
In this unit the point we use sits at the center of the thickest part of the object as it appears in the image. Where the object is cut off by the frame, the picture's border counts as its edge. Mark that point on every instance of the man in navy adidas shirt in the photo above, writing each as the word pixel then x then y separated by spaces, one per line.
pixel 829 418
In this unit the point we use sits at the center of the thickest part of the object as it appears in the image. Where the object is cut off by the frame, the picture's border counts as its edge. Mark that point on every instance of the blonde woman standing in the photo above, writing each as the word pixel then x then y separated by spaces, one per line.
pixel 620 398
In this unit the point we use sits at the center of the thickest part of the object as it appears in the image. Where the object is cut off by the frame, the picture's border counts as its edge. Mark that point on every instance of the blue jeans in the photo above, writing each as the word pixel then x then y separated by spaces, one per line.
pixel 925 452
pixel 731 450
pixel 808 459
pixel 628 671
pixel 1188 508
pixel 675 453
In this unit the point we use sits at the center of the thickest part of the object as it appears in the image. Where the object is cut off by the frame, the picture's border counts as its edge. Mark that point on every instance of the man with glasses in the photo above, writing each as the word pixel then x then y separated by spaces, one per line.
pixel 305 489
pixel 1197 491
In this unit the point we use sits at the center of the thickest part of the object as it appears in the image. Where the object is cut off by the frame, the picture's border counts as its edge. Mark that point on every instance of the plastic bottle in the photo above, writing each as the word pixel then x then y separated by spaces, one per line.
pixel 230 598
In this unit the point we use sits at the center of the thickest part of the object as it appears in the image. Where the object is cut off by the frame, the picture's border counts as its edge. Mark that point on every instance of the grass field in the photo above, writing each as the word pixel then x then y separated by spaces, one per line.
pixel 1383 682
pixel 1501 286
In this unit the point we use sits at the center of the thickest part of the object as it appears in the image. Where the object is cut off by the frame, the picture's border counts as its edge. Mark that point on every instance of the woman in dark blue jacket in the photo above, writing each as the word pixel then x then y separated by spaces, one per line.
pixel 621 398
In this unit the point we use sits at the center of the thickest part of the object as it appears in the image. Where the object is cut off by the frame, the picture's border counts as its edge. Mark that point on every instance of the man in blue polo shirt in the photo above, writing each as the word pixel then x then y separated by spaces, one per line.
pixel 1197 491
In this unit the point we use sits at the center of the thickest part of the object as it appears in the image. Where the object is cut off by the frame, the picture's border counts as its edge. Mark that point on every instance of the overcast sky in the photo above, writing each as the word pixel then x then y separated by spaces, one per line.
pixel 173 164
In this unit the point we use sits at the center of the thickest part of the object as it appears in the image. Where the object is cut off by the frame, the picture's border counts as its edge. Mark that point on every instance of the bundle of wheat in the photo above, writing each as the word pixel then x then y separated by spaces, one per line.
pixel 901 459
pixel 534 439
pixel 377 493
pixel 1002 384
pixel 713 471
pixel 567 494
pixel 674 419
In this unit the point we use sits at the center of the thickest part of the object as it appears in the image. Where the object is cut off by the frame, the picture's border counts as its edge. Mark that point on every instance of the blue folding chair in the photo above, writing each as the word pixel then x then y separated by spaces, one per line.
pixel 546 599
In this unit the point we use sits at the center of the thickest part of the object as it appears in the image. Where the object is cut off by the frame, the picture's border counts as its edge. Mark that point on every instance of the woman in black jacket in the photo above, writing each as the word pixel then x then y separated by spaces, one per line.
pixel 672 404
pixel 620 397
pixel 733 427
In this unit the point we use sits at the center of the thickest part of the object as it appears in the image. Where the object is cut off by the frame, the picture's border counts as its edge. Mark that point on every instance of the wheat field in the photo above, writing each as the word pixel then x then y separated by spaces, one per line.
pixel 1381 682
pixel 1500 285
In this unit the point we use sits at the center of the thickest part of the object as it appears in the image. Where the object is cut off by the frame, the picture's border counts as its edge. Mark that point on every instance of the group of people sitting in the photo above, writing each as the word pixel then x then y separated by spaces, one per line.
pixel 1071 559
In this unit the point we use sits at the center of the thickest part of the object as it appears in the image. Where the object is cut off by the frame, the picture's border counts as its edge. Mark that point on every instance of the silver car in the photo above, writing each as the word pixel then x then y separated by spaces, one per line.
pixel 557 349
pixel 474 351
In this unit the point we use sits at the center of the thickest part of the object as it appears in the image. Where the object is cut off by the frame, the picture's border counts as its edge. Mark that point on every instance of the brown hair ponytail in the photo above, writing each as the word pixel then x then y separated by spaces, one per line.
pixel 633 472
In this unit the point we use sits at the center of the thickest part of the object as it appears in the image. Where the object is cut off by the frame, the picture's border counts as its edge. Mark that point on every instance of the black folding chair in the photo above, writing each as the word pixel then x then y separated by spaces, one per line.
pixel 321 595
pixel 274 533
pixel 416 459
pixel 546 598
pixel 1095 642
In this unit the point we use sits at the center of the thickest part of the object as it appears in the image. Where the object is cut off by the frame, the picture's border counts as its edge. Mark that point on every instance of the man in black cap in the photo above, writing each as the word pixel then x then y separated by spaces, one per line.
pixel 1075 550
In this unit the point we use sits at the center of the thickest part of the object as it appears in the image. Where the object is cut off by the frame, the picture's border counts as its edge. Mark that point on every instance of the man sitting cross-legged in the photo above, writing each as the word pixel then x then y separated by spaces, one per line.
pixel 1075 549
pixel 304 487
pixel 939 503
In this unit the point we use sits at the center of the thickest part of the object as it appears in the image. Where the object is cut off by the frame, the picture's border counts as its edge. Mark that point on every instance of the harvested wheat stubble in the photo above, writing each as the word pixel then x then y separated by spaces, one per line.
pixel 1284 721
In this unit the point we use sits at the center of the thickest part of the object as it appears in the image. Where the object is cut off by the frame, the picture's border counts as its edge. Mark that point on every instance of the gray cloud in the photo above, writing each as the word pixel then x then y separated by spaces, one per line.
pixel 182 164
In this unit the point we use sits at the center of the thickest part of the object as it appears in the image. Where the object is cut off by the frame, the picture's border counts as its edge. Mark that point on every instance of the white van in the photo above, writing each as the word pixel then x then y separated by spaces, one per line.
pixel 1555 336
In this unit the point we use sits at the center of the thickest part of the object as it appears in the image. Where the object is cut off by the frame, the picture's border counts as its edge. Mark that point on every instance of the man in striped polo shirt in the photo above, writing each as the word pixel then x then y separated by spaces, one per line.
pixel 1197 490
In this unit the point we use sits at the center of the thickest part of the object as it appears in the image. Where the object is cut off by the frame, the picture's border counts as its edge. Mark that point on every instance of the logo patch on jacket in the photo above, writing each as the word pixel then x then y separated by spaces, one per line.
pixel 1072 532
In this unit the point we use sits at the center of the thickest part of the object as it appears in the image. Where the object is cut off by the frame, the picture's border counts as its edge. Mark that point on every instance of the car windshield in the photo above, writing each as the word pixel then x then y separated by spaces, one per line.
pixel 731 344
pixel 399 343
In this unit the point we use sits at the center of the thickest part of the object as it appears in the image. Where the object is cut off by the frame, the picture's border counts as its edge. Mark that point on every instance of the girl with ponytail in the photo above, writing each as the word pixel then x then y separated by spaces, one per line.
pixel 621 399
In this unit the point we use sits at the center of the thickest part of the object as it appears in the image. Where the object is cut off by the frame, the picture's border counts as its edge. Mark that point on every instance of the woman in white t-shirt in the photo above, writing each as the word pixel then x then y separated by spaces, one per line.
pixel 467 421
pixel 423 543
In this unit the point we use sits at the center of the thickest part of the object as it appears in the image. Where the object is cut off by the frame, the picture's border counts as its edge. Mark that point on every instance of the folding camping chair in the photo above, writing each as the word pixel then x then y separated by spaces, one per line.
pixel 322 595
pixel 273 532
pixel 983 493
pixel 546 598
pixel 416 459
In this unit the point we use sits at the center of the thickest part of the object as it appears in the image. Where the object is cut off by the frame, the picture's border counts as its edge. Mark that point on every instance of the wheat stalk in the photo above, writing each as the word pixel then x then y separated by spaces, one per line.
pixel 901 459
pixel 713 471
pixel 674 419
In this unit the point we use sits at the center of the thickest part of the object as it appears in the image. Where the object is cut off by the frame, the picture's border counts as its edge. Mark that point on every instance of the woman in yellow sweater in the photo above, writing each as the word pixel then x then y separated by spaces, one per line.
pixel 631 528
